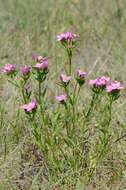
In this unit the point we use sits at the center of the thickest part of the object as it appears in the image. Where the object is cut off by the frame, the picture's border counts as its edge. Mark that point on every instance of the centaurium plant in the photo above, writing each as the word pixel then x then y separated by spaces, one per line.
pixel 112 89
pixel 18 81
pixel 71 86
pixel 69 42
pixel 61 131
pixel 31 109
pixel 80 79
pixel 98 85
pixel 25 75
pixel 41 70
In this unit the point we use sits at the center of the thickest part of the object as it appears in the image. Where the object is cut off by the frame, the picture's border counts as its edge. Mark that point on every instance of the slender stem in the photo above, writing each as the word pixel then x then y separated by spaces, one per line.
pixel 120 138
pixel 40 102
pixel 21 87
pixel 75 96
pixel 66 122
pixel 78 93
pixel 37 135
pixel 94 97
pixel 23 95
pixel 70 64
pixel 110 111
pixel 13 83
pixel 107 133
pixel 73 105
pixel 69 53
pixel 75 89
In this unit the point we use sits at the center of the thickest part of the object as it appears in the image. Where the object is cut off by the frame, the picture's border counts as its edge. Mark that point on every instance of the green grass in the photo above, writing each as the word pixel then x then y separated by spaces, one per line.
pixel 28 26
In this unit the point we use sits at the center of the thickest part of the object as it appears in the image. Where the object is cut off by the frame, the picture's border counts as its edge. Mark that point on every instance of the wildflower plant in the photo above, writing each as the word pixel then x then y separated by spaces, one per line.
pixel 57 133
pixel 69 41
pixel 9 69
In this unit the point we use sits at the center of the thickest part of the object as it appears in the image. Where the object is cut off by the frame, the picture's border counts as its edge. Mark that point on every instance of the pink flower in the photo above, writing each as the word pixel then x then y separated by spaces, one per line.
pixel 25 70
pixel 114 87
pixel 99 82
pixel 65 79
pixel 61 98
pixel 81 74
pixel 30 107
pixel 38 58
pixel 43 65
pixel 9 69
pixel 81 77
pixel 67 36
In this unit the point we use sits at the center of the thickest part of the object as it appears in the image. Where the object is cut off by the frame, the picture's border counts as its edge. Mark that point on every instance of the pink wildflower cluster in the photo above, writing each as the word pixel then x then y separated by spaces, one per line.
pixel 65 81
pixel 25 70
pixel 106 83
pixel 114 87
pixel 30 107
pixel 99 82
pixel 67 36
pixel 9 69
pixel 42 63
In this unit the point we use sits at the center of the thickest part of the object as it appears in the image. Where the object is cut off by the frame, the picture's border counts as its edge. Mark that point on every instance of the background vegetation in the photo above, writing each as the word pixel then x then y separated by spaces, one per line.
pixel 28 26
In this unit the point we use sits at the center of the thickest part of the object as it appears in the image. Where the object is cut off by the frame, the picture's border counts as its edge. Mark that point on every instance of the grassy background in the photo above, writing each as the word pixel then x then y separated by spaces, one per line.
pixel 28 26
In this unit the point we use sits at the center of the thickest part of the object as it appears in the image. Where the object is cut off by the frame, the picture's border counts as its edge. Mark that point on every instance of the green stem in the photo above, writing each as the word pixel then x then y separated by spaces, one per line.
pixel 78 93
pixel 74 102
pixel 40 102
pixel 13 83
pixel 66 122
pixel 36 133
pixel 110 111
pixel 23 95
pixel 70 64
pixel 69 53
pixel 106 129
pixel 91 107
pixel 75 97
